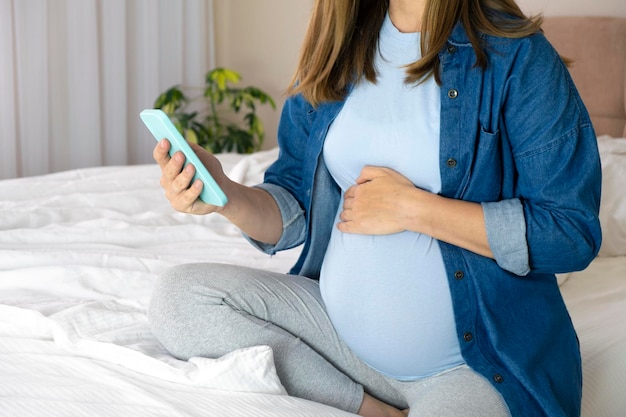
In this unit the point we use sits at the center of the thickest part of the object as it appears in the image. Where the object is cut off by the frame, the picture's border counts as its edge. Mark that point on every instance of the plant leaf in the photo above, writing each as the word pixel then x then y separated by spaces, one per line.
pixel 171 100
pixel 191 136
pixel 221 77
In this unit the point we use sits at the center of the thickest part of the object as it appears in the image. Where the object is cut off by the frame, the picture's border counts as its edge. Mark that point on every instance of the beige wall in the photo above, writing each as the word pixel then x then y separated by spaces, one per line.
pixel 261 38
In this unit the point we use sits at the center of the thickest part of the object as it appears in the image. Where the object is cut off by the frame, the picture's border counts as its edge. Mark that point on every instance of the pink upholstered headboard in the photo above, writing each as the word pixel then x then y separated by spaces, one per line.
pixel 597 46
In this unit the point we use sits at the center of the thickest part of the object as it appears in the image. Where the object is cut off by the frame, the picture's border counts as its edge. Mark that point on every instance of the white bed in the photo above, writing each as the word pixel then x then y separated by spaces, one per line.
pixel 79 251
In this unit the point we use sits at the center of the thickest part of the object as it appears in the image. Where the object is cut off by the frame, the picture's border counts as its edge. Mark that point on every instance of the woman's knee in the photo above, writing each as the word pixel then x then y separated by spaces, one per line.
pixel 180 287
pixel 182 299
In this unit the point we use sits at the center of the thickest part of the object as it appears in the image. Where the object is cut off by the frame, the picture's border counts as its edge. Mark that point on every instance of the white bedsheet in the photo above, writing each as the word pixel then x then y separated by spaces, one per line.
pixel 79 251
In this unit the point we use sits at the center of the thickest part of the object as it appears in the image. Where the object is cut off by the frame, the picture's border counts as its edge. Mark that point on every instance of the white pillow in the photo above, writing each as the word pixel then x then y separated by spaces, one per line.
pixel 613 203
pixel 248 370
pixel 250 169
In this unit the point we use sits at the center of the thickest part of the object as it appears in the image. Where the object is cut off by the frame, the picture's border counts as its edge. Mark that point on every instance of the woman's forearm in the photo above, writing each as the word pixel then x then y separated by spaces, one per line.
pixel 255 212
pixel 460 223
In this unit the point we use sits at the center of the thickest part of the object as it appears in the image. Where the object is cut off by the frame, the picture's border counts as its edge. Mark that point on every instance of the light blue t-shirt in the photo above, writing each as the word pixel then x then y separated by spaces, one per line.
pixel 388 295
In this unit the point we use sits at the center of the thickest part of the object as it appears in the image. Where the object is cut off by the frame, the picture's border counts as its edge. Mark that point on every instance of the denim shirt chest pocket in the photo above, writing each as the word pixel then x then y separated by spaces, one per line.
pixel 472 150
pixel 485 180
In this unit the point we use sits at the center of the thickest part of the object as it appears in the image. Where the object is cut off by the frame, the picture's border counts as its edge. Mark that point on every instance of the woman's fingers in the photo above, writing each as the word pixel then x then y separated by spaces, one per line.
pixel 177 179
pixel 160 152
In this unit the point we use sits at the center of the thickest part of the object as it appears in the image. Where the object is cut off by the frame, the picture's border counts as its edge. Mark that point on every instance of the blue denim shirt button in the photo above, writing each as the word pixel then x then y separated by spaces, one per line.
pixel 468 336
pixel 451 163
pixel 453 93
pixel 498 378
pixel 451 49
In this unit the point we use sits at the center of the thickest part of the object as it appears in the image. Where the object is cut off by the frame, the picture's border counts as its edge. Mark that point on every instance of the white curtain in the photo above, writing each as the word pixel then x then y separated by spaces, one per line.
pixel 74 75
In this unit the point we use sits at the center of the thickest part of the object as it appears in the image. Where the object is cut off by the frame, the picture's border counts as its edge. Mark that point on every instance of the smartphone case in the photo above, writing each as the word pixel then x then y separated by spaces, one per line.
pixel 162 127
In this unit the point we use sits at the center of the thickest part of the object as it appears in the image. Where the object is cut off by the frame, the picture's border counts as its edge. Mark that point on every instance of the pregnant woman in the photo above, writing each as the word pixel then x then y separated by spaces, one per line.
pixel 438 168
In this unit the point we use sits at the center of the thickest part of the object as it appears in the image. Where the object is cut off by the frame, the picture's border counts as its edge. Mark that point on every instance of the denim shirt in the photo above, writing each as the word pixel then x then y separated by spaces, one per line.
pixel 516 138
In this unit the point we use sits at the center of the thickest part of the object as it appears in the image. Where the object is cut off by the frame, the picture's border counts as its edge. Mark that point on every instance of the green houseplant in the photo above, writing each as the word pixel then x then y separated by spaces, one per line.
pixel 216 123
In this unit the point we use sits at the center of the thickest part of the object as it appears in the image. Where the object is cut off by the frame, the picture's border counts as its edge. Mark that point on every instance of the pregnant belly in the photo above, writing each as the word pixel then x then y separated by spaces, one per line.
pixel 388 298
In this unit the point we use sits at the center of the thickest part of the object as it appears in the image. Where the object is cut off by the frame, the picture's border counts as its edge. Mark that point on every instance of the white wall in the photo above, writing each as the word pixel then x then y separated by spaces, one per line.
pixel 261 38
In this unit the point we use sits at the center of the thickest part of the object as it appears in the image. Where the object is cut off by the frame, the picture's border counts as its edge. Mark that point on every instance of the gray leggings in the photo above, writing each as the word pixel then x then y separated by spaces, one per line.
pixel 212 309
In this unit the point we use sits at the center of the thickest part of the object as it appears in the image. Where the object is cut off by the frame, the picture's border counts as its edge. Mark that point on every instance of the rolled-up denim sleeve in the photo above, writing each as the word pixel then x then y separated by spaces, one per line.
pixel 294 227
pixel 506 233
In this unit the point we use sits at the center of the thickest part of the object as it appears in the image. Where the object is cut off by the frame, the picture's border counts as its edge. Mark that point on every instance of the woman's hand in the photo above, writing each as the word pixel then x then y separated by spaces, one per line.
pixel 177 182
pixel 251 209
pixel 374 204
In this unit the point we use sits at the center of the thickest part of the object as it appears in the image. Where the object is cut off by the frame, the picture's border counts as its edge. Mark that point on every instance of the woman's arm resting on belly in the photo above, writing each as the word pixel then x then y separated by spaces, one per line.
pixel 384 202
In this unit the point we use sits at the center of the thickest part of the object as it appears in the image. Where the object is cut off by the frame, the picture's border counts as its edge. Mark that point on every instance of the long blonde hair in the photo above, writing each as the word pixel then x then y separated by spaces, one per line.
pixel 342 37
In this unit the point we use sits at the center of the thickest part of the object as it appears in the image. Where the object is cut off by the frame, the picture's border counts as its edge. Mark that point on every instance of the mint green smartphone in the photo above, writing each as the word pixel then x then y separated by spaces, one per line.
pixel 162 127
